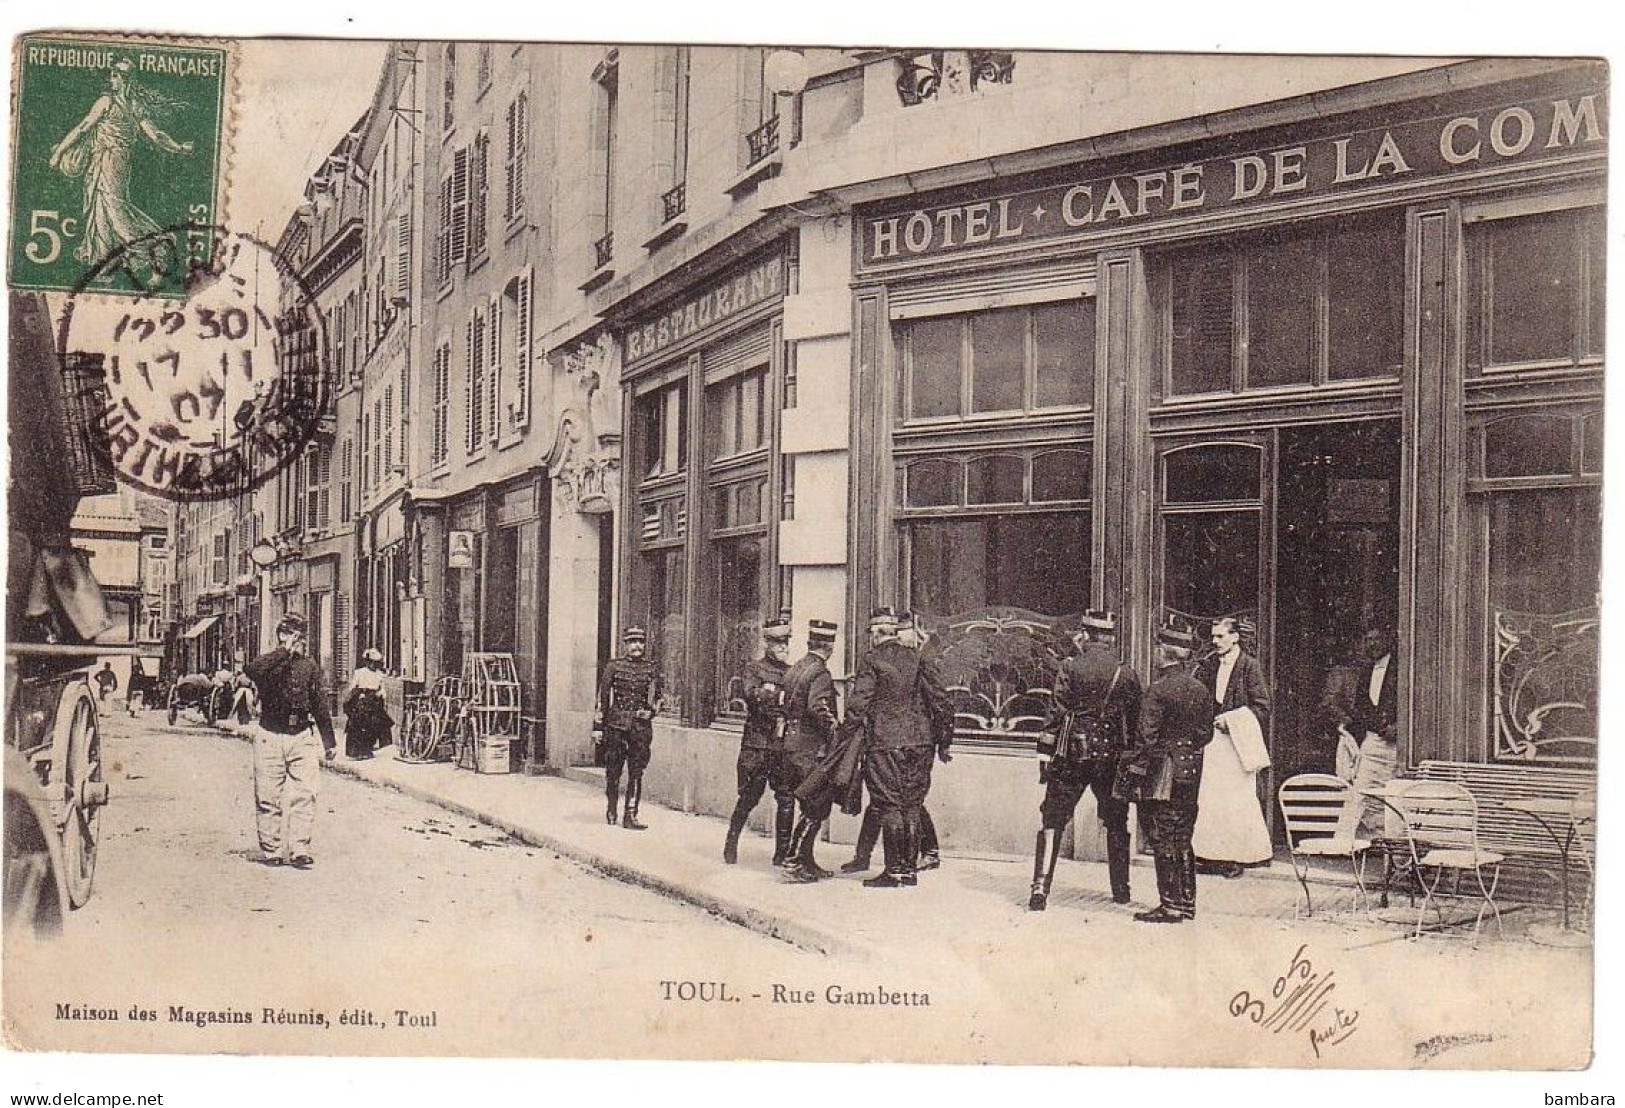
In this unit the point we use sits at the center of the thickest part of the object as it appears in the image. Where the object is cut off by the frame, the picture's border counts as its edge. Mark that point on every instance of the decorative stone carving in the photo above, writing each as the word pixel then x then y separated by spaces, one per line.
pixel 585 460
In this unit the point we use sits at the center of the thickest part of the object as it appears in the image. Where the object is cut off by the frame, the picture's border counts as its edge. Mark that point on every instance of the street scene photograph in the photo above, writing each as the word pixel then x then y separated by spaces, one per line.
pixel 804 553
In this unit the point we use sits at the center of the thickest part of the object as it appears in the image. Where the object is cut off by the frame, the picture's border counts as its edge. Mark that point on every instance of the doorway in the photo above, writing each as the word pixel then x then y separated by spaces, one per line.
pixel 1295 529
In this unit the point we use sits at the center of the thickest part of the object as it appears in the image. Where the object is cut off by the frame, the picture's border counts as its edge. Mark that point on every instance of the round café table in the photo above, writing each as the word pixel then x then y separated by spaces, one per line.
pixel 1561 819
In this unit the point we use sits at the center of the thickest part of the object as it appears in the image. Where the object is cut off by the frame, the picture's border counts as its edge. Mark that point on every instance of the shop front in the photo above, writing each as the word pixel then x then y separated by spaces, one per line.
pixel 1335 372
pixel 703 378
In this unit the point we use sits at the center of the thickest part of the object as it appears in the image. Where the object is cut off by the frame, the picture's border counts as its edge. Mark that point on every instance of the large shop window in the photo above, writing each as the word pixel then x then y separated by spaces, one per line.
pixel 1286 309
pixel 1007 360
pixel 1212 513
pixel 1003 529
pixel 1534 290
pixel 704 576
pixel 1541 508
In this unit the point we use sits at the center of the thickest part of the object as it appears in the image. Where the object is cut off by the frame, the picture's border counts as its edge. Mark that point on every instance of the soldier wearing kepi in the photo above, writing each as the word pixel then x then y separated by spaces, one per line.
pixel 762 761
pixel 1097 706
pixel 1163 772
pixel 898 696
pixel 810 719
pixel 628 697
pixel 911 633
pixel 287 757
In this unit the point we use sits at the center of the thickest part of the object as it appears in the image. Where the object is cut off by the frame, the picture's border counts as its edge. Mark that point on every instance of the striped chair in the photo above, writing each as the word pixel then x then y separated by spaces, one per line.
pixel 1441 828
pixel 1310 806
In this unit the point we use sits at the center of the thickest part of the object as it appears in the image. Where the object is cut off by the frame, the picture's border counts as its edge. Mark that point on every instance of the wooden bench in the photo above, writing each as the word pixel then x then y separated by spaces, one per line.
pixel 1513 833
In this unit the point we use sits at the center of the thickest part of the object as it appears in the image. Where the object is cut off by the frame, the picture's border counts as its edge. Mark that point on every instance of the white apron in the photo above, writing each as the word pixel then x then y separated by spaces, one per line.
pixel 1229 820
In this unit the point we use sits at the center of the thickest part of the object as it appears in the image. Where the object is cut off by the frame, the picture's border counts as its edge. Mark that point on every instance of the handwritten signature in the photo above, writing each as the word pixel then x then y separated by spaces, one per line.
pixel 1298 1003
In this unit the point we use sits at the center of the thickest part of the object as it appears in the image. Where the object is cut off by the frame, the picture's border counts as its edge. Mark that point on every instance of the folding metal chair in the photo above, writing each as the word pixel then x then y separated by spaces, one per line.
pixel 1310 806
pixel 1441 827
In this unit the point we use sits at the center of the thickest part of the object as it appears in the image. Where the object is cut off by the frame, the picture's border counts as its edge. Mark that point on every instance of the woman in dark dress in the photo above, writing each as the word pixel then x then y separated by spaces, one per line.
pixel 367 720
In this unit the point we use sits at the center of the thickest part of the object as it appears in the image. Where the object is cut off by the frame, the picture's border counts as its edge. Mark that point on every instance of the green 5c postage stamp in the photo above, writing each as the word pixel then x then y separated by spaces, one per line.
pixel 117 149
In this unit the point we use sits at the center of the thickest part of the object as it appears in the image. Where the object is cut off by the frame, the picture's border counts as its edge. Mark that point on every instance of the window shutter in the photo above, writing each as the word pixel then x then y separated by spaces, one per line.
pixel 343 631
pixel 510 164
pixel 389 432
pixel 403 256
pixel 324 502
pixel 493 343
pixel 479 194
pixel 459 206
pixel 406 419
pixel 521 346
pixel 521 144
pixel 468 389
pixel 445 231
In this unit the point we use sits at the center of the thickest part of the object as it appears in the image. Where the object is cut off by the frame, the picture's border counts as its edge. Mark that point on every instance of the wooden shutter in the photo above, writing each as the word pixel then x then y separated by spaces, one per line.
pixel 459 206
pixel 493 344
pixel 521 346
pixel 469 407
pixel 403 256
pixel 389 432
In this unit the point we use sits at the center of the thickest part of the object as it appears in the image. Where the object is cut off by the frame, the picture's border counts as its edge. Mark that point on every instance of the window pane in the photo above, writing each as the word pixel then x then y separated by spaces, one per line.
pixel 932 484
pixel 1365 293
pixel 1533 277
pixel 1544 561
pixel 1210 563
pixel 740 589
pixel 1061 475
pixel 1064 352
pixel 996 480
pixel 1203 310
pixel 1529 446
pixel 998 359
pixel 750 411
pixel 1281 281
pixel 1472 295
pixel 1212 474
pixel 934 368
pixel 666 624
pixel 1037 562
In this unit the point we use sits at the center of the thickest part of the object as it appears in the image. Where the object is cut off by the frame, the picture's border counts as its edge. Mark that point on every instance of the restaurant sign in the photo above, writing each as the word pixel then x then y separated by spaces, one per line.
pixel 736 294
pixel 1531 130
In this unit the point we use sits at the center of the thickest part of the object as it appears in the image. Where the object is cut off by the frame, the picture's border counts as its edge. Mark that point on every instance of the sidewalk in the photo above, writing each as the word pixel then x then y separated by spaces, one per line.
pixel 681 856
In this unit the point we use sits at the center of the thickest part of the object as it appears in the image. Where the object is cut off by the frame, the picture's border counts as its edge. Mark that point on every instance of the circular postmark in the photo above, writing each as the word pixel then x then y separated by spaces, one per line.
pixel 216 377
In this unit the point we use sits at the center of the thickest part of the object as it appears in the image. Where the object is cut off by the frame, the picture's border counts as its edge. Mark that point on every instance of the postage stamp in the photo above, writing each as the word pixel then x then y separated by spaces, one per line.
pixel 115 139
pixel 211 394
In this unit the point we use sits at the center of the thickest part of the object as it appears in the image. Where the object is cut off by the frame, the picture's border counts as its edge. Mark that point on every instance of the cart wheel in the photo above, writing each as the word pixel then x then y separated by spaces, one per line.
pixel 82 790
pixel 174 711
pixel 420 737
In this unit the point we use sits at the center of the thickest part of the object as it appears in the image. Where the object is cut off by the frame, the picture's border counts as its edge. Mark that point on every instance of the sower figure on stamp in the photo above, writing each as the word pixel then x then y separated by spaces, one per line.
pixel 1097 706
pixel 628 697
pixel 809 725
pixel 900 699
pixel 912 635
pixel 762 760
pixel 287 757
pixel 1162 772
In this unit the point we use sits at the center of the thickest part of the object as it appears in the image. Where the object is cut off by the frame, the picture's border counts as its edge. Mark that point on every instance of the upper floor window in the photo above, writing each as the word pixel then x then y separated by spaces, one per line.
pixel 1276 310
pixel 515 158
pixel 1533 290
pixel 606 123
pixel 439 435
pixel 1003 360
pixel 448 91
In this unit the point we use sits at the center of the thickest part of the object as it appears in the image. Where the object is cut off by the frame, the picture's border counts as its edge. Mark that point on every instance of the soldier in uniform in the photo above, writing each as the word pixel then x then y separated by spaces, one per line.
pixel 287 755
pixel 628 697
pixel 762 760
pixel 809 719
pixel 900 699
pixel 1097 706
pixel 1163 772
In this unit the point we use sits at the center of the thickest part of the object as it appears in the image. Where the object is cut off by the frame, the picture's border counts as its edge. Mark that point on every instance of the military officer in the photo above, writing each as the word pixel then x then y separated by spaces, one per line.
pixel 628 697
pixel 762 761
pixel 899 698
pixel 810 719
pixel 1163 772
pixel 1097 705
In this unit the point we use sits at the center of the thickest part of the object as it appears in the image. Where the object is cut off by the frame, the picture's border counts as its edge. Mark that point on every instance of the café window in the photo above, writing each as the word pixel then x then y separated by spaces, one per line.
pixel 1284 309
pixel 665 618
pixel 1539 501
pixel 662 428
pixel 1533 289
pixel 736 414
pixel 1006 528
pixel 1005 360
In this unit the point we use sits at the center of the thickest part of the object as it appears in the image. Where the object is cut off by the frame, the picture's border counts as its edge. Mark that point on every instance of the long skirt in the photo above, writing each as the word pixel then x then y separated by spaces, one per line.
pixel 1229 819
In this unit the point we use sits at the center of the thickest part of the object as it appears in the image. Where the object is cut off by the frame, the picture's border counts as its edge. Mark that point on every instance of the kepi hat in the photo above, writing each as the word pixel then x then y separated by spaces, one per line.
pixel 777 629
pixel 635 634
pixel 821 631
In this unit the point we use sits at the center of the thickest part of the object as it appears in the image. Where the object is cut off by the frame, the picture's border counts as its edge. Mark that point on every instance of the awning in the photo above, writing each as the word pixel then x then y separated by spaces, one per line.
pixel 199 627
